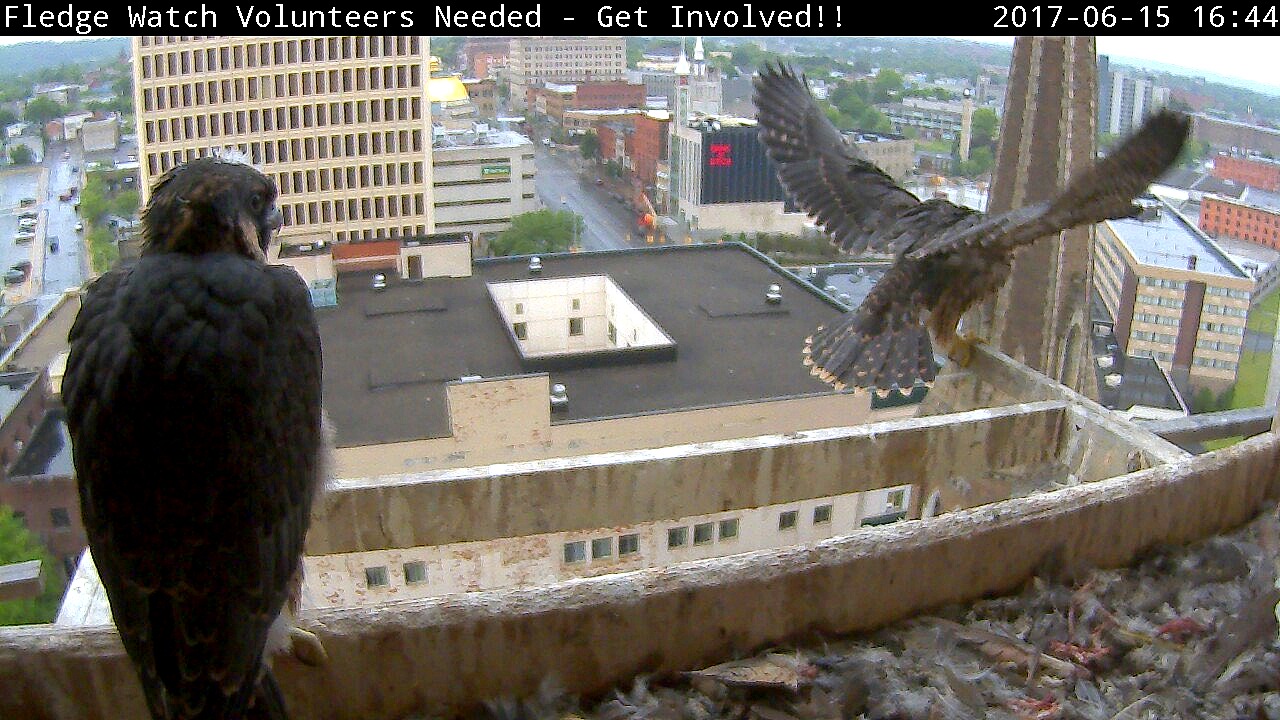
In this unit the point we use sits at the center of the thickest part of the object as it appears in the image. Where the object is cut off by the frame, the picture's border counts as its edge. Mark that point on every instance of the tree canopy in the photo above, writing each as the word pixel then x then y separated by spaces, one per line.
pixel 42 109
pixel 541 231
pixel 18 545
pixel 21 155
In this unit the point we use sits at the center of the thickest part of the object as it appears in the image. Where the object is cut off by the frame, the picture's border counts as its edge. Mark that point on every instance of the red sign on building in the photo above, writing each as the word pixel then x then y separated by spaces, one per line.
pixel 720 155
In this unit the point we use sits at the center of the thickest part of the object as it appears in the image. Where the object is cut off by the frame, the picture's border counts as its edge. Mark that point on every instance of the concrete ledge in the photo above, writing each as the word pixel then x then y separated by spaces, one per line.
pixel 444 655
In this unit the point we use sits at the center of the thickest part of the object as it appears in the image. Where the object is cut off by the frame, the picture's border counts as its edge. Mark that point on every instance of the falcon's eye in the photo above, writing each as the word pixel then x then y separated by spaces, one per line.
pixel 256 202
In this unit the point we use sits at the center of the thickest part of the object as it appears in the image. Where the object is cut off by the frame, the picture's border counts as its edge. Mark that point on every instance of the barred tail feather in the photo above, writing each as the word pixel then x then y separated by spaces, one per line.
pixel 863 351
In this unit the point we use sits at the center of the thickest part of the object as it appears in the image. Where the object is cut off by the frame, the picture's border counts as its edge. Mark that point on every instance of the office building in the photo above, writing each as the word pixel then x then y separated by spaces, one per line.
pixel 340 123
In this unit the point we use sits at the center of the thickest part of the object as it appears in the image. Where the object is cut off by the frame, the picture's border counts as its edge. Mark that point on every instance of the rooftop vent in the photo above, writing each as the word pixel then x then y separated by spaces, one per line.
pixel 830 289
pixel 845 298
pixel 559 397
pixel 1150 212
pixel 470 378
pixel 774 295
pixel 535 265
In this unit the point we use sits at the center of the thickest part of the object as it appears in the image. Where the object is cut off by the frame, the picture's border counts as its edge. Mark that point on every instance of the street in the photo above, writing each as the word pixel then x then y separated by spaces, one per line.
pixel 609 225
pixel 51 272
pixel 65 268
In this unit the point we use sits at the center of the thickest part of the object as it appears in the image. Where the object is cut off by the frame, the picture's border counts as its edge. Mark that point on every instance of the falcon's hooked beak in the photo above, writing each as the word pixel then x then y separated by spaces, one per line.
pixel 275 220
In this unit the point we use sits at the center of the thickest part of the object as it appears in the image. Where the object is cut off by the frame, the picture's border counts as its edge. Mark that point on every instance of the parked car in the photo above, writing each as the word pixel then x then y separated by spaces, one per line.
pixel 26 202
pixel 64 197
pixel 79 227
pixel 53 245
pixel 13 276
pixel 24 236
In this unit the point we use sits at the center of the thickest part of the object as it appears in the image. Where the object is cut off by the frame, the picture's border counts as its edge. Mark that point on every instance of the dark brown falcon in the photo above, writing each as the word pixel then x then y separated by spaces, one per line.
pixel 193 401
pixel 946 258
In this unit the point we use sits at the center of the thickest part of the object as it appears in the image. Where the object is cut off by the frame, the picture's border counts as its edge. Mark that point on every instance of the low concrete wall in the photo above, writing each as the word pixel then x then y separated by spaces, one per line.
pixel 444 655
pixel 637 486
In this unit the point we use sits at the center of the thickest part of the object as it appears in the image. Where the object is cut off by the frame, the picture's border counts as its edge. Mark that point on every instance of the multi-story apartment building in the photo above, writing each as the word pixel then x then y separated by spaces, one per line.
pixel 1254 222
pixel 1174 294
pixel 535 60
pixel 1130 99
pixel 1251 170
pixel 340 123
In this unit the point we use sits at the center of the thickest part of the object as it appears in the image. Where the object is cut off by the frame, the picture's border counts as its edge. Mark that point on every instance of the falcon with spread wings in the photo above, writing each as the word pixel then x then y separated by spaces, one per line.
pixel 193 401
pixel 946 257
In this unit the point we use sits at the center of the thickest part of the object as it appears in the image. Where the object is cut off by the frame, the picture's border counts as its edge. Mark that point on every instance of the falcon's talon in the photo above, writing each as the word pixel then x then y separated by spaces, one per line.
pixel 306 648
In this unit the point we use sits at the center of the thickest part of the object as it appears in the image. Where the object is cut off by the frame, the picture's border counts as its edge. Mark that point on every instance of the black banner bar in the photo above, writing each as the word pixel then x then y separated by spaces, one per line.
pixel 641 17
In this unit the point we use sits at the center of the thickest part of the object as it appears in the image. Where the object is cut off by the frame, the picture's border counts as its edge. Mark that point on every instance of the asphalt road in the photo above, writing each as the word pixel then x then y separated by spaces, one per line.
pixel 66 267
pixel 609 225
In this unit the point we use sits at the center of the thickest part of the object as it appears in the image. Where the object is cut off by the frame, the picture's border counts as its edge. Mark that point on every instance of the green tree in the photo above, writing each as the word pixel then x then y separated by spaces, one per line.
pixel 888 82
pixel 42 109
pixel 980 161
pixel 93 200
pixel 18 545
pixel 21 155
pixel 986 124
pixel 541 231
pixel 124 204
pixel 103 251
pixel 590 146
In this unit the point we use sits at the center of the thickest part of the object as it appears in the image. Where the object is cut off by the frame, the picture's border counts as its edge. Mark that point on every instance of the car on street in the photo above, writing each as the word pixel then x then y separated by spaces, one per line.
pixel 26 202
pixel 70 193
pixel 53 245
pixel 79 227
pixel 24 236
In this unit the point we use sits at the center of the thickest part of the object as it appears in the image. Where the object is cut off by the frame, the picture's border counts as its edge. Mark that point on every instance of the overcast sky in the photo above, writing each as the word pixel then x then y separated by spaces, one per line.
pixel 1254 59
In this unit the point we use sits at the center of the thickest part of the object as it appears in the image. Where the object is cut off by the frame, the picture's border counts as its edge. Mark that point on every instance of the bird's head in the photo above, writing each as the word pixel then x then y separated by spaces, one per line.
pixel 211 205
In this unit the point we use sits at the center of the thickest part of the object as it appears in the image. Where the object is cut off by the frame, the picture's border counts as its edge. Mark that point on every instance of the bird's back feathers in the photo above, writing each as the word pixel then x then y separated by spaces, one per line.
pixel 193 400
pixel 947 257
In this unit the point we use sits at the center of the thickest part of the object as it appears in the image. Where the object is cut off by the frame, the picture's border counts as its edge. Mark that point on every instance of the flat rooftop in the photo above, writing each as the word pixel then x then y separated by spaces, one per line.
pixel 389 353
pixel 1165 239
pixel 49 451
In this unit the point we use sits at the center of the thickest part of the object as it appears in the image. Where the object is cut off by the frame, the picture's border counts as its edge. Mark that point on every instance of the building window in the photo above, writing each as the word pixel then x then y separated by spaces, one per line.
pixel 575 552
pixel 376 576
pixel 822 514
pixel 677 536
pixel 628 544
pixel 729 529
pixel 787 519
pixel 519 308
pixel 521 330
pixel 613 334
pixel 601 548
pixel 415 572
pixel 703 533
pixel 60 517
pixel 575 326
pixel 895 500
pixel 577 304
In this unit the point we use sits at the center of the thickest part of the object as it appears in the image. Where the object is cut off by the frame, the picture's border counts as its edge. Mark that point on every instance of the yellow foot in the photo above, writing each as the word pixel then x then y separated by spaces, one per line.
pixel 961 350
pixel 306 647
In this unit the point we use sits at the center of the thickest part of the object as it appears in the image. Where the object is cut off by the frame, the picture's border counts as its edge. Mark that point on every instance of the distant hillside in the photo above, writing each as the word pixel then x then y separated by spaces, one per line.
pixel 31 56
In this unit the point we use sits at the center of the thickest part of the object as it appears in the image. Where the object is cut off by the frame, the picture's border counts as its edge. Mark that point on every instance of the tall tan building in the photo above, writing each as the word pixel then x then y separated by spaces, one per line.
pixel 342 124
pixel 535 60
pixel 1174 295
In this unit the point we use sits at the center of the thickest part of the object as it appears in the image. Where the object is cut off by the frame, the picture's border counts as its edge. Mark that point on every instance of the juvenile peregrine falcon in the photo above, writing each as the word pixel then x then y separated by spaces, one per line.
pixel 193 401
pixel 946 258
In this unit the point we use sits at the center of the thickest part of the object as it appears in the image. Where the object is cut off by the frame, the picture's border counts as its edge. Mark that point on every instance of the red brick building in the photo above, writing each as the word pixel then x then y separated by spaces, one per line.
pixel 1254 172
pixel 554 100
pixel 606 95
pixel 650 147
pixel 1223 217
